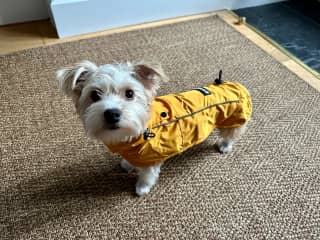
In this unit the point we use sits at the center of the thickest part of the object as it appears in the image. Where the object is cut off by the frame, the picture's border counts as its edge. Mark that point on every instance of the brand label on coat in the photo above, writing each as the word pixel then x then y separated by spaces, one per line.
pixel 203 90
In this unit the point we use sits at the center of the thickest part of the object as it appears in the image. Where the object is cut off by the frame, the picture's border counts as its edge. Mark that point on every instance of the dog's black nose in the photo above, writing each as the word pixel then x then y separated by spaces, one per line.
pixel 112 116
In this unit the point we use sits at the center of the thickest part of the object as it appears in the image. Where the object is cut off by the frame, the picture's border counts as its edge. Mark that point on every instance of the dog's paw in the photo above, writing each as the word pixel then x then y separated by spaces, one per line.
pixel 224 147
pixel 126 166
pixel 142 189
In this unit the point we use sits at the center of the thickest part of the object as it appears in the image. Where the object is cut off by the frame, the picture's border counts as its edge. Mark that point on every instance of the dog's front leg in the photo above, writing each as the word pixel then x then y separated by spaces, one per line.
pixel 147 178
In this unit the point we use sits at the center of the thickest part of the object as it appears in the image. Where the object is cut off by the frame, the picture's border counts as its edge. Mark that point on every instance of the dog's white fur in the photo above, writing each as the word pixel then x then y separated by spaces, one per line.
pixel 95 89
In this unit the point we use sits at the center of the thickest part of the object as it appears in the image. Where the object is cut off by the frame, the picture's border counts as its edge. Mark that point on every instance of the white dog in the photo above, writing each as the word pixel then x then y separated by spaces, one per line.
pixel 117 105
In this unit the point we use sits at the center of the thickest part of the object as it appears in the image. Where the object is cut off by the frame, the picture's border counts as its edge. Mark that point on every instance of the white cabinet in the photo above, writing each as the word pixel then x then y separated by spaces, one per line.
pixel 73 17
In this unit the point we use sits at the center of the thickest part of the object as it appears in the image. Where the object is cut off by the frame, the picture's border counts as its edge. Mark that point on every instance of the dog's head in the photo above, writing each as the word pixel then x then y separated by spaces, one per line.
pixel 112 100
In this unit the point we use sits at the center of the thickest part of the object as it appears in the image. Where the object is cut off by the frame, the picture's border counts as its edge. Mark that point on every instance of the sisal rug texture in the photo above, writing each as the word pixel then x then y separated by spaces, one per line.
pixel 58 184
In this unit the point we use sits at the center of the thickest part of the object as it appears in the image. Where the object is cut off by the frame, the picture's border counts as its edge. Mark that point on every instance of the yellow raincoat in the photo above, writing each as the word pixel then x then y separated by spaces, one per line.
pixel 180 121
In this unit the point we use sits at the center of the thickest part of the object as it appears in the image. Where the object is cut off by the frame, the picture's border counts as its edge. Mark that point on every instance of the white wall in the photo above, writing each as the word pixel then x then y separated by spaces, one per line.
pixel 15 11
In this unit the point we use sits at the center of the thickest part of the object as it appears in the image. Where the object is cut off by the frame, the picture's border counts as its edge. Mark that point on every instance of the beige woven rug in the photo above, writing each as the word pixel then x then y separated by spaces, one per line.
pixel 58 184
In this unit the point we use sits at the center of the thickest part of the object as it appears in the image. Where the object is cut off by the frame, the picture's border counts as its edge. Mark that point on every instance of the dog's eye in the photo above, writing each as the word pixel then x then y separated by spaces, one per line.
pixel 95 96
pixel 129 94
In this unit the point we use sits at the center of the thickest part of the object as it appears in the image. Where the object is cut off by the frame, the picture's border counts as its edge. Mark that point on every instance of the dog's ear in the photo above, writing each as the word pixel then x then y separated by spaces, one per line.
pixel 71 79
pixel 150 75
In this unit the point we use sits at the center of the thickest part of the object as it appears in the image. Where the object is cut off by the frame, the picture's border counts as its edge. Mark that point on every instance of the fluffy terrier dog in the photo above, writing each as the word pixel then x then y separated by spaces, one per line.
pixel 117 105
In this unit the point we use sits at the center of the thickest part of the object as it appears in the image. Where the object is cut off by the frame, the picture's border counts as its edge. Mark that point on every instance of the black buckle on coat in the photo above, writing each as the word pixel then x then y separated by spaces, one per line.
pixel 148 134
